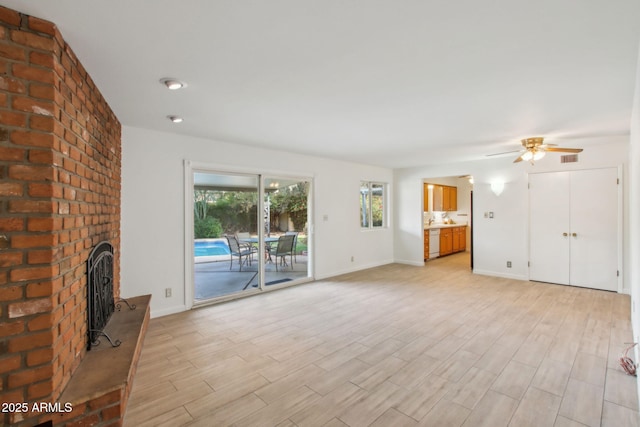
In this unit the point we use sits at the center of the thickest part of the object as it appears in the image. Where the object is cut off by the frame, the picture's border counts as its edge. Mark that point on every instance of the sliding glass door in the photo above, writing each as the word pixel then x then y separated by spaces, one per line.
pixel 250 233
pixel 286 206
pixel 225 216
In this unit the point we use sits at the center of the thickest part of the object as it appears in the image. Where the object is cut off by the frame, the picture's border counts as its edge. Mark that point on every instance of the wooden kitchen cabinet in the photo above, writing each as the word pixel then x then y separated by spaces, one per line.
pixel 455 240
pixel 445 198
pixel 437 198
pixel 452 240
pixel 459 239
pixel 446 241
pixel 463 238
pixel 426 244
pixel 426 198
pixel 453 199
pixel 449 198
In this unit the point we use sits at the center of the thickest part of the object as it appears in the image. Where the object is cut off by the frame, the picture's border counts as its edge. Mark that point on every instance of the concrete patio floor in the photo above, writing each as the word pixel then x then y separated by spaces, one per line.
pixel 214 279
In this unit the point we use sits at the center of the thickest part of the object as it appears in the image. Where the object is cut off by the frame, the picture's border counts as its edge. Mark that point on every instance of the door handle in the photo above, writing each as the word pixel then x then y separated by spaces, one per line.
pixel 565 234
pixel 574 234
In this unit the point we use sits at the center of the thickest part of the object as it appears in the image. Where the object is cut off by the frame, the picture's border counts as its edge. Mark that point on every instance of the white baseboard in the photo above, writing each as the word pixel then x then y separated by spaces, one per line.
pixel 354 269
pixel 410 262
pixel 500 274
pixel 167 311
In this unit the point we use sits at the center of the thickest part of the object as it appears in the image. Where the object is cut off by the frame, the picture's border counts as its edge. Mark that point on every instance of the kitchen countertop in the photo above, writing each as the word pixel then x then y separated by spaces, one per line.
pixel 428 227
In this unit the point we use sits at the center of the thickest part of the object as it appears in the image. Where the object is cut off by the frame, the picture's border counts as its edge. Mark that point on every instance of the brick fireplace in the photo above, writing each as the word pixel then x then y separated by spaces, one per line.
pixel 60 163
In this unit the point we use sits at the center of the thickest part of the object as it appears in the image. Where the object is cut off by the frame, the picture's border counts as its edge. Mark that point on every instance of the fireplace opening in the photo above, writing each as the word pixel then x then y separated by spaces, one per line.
pixel 100 299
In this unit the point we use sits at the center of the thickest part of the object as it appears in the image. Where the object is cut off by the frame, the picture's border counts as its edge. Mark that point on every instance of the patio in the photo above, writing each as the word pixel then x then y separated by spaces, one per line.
pixel 214 279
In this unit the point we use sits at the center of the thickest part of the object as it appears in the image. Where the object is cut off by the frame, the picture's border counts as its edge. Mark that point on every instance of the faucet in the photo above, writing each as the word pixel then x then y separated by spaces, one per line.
pixel 431 220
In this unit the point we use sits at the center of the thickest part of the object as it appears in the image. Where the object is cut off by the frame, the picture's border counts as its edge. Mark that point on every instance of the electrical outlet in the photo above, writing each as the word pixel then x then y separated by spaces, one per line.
pixel 167 292
pixel 352 258
pixel 508 264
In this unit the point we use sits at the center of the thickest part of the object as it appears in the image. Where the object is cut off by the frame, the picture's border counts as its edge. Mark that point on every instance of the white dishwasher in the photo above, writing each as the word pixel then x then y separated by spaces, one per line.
pixel 434 243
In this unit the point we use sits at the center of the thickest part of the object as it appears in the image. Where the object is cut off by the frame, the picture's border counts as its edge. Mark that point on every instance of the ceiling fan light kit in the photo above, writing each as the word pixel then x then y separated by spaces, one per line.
pixel 533 155
pixel 535 149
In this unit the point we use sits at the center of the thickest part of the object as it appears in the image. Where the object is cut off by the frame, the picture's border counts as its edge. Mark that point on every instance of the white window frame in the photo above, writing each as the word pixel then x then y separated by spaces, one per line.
pixel 370 225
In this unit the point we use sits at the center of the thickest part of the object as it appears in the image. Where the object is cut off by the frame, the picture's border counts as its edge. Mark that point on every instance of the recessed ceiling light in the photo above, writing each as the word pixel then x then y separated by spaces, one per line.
pixel 175 119
pixel 172 84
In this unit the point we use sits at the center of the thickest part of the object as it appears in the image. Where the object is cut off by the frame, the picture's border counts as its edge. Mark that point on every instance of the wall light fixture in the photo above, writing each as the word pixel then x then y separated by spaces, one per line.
pixel 497 187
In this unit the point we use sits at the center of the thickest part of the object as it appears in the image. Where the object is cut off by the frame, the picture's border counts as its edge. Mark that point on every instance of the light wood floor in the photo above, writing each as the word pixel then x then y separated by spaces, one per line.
pixel 393 346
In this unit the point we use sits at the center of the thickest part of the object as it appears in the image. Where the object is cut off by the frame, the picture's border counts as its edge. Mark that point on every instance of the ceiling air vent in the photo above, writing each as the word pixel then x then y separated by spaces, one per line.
pixel 569 158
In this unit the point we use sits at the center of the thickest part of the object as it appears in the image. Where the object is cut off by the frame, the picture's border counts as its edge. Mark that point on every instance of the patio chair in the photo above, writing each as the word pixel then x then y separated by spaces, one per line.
pixel 243 235
pixel 243 253
pixel 284 248
pixel 295 243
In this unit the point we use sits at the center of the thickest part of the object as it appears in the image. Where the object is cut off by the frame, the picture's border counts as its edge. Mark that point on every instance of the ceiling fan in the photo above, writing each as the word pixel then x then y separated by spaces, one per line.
pixel 535 149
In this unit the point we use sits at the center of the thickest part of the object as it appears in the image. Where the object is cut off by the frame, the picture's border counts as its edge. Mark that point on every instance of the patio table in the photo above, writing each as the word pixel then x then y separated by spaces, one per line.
pixel 268 242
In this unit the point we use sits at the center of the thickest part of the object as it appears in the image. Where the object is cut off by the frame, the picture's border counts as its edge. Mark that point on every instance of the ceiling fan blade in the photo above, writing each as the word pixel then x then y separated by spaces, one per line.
pixel 500 154
pixel 519 159
pixel 564 150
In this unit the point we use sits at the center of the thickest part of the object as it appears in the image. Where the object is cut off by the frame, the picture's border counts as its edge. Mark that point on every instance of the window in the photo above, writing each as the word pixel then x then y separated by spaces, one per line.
pixel 372 205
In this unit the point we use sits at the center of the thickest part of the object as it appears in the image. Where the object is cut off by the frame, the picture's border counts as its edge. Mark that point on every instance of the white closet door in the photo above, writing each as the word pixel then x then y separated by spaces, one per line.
pixel 549 224
pixel 594 228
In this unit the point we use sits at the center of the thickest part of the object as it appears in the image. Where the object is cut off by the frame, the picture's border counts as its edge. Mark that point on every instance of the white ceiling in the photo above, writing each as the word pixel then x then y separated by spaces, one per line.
pixel 396 83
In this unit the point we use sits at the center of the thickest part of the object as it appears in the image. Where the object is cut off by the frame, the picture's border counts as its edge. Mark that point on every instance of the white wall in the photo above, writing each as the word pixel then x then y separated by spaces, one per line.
pixel 153 234
pixel 505 237
pixel 634 211
pixel 153 209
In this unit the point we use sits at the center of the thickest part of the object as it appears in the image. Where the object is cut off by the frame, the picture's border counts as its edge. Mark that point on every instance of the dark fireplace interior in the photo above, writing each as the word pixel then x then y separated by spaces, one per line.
pixel 100 301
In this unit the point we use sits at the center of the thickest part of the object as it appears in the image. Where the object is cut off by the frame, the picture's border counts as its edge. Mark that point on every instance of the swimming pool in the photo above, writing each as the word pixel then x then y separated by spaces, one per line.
pixel 210 248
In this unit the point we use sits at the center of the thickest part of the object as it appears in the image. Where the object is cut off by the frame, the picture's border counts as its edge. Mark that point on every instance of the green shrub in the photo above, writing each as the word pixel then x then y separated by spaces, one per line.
pixel 207 228
pixel 301 244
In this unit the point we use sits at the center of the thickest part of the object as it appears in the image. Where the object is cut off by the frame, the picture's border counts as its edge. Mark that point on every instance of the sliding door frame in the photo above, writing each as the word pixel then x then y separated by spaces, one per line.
pixel 190 168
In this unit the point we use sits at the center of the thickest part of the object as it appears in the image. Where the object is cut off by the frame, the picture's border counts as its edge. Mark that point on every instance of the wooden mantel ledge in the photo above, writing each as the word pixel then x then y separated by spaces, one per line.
pixel 105 368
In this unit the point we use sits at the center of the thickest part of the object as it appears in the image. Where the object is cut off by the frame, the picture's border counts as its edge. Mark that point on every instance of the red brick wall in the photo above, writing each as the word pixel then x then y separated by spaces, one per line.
pixel 60 162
